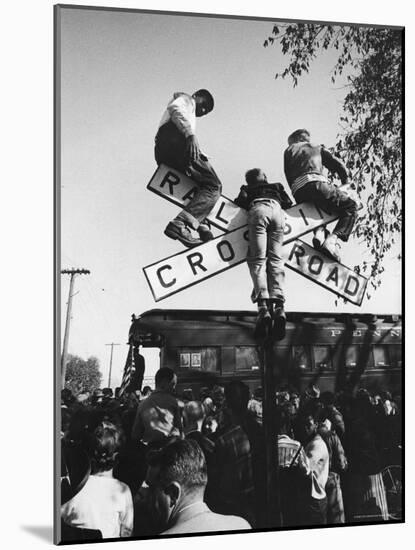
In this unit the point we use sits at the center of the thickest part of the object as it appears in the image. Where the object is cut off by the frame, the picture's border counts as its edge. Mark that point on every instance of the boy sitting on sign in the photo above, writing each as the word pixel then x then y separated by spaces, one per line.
pixel 266 220
pixel 176 145
pixel 303 167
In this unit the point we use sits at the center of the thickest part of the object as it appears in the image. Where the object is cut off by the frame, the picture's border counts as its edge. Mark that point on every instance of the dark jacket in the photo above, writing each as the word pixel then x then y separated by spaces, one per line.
pixel 249 193
pixel 305 158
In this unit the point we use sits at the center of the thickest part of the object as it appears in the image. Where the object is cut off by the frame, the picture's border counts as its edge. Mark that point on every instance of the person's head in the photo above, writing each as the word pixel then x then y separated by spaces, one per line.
pixel 187 395
pixel 295 400
pixel 258 393
pixel 166 379
pixel 67 397
pixel 237 396
pixel 104 444
pixel 146 391
pixel 327 398
pixel 385 396
pixel 176 477
pixel 255 176
pixel 298 136
pixel 107 393
pixel 193 415
pixel 204 102
pixel 289 408
pixel 312 392
pixel 308 427
pixel 284 421
pixel 218 396
pixel 209 426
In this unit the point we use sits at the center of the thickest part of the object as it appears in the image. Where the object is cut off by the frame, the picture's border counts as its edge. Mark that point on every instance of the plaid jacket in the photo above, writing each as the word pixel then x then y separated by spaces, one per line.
pixel 233 456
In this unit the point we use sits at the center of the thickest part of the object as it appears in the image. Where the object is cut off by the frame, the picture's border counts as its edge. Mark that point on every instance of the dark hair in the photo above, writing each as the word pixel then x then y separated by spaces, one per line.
pixel 327 398
pixel 146 390
pixel 165 374
pixel 104 443
pixel 193 411
pixel 207 96
pixel 258 392
pixel 251 175
pixel 237 396
pixel 67 397
pixel 180 460
pixel 284 421
pixel 299 135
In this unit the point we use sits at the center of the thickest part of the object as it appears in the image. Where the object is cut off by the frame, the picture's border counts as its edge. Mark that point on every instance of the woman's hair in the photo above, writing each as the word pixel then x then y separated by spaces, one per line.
pixel 104 444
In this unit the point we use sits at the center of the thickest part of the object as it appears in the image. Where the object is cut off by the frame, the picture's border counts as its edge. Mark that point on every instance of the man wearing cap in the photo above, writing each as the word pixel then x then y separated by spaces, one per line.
pixel 176 146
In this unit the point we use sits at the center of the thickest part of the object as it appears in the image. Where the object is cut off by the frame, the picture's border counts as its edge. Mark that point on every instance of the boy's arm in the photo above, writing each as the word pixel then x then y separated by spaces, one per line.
pixel 286 202
pixel 286 166
pixel 181 111
pixel 242 199
pixel 334 164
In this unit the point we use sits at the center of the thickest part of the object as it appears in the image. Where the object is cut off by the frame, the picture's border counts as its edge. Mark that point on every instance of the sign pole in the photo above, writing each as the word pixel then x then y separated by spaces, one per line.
pixel 270 434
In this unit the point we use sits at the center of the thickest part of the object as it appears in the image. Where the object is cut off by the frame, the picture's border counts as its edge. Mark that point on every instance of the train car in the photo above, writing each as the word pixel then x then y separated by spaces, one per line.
pixel 334 351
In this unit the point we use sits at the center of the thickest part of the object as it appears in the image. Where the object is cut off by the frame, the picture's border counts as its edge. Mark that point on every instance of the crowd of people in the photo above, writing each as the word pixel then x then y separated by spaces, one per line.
pixel 156 463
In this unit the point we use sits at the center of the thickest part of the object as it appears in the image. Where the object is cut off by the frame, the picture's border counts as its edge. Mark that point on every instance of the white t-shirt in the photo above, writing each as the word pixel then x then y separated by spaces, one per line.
pixel 104 503
pixel 181 110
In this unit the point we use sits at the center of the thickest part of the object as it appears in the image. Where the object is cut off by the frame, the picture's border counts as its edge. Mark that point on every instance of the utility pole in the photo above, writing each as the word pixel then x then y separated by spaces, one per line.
pixel 72 272
pixel 112 349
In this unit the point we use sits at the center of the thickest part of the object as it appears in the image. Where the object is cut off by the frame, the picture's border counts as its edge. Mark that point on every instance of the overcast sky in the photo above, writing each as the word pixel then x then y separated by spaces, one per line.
pixel 119 70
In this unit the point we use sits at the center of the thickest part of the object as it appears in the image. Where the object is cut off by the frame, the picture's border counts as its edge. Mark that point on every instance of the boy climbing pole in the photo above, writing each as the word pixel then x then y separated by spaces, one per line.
pixel 266 220
pixel 303 167
pixel 176 146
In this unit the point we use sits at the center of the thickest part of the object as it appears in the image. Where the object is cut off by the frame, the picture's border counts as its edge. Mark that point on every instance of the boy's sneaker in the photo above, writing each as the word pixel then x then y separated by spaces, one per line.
pixel 205 234
pixel 263 324
pixel 331 247
pixel 278 322
pixel 179 231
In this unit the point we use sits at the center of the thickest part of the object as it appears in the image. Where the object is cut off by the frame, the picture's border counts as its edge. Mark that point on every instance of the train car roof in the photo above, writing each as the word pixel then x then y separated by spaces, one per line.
pixel 149 327
pixel 250 315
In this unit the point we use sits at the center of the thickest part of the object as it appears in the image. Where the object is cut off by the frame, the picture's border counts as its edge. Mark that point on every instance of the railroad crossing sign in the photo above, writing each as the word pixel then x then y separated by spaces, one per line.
pixel 191 266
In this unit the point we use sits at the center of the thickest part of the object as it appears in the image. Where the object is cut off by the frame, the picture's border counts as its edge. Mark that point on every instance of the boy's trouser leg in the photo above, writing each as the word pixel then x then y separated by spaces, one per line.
pixel 275 264
pixel 206 195
pixel 331 198
pixel 170 149
pixel 258 219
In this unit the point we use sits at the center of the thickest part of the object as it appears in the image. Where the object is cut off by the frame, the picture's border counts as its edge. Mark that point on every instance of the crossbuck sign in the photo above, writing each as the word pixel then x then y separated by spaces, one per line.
pixel 191 266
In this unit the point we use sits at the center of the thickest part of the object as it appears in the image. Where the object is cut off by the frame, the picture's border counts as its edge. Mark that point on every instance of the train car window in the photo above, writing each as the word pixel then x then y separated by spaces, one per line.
pixel 202 359
pixel 301 357
pixel 396 355
pixel 381 356
pixel 323 358
pixel 246 358
pixel 352 354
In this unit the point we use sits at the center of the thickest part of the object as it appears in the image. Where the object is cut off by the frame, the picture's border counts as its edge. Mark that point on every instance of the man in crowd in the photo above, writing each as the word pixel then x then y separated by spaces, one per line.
pixel 303 167
pixel 337 466
pixel 176 480
pixel 332 414
pixel 265 203
pixel 104 503
pixel 294 471
pixel 177 146
pixel 318 458
pixel 158 416
pixel 237 451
